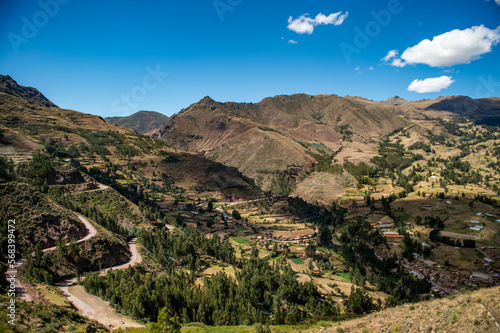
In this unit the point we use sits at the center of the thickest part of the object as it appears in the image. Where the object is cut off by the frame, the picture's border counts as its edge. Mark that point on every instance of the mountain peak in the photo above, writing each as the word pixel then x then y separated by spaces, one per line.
pixel 396 100
pixel 10 87
pixel 142 121
pixel 207 99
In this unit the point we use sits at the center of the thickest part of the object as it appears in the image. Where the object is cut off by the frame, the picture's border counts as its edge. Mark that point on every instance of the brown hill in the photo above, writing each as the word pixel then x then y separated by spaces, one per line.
pixel 279 131
pixel 9 86
pixel 484 110
pixel 142 122
pixel 95 143
pixel 470 312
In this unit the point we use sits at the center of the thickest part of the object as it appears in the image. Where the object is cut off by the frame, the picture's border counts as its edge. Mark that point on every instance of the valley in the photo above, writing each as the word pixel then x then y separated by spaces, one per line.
pixel 299 210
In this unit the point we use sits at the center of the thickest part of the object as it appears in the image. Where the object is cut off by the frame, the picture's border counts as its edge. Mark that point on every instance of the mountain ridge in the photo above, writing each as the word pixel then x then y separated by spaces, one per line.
pixel 9 86
pixel 142 121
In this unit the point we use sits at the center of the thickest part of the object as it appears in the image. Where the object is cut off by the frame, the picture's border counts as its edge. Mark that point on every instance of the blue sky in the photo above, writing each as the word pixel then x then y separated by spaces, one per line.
pixel 113 58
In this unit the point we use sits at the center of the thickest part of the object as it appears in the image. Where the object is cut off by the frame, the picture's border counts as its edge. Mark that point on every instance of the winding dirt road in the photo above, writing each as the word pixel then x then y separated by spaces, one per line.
pixel 95 308
pixel 91 232
pixel 12 273
pixel 88 305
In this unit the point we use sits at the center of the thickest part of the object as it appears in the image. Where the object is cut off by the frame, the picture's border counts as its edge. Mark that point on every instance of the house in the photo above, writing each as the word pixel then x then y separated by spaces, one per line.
pixel 393 235
pixel 480 276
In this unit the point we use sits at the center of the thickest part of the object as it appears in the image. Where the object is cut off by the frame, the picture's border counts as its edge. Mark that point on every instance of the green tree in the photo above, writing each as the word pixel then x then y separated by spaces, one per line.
pixel 210 206
pixel 166 323
pixel 311 250
pixel 358 301
pixel 236 215
pixel 311 266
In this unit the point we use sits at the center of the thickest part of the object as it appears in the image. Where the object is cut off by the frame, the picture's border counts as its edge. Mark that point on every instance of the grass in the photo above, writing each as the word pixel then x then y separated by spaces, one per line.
pixel 241 228
pixel 53 295
pixel 345 276
pixel 241 240
pixel 202 328
pixel 298 261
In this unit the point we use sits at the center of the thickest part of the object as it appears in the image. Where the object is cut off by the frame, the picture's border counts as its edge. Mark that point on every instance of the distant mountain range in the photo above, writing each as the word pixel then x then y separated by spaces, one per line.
pixel 142 122
pixel 284 132
pixel 280 134
pixel 29 120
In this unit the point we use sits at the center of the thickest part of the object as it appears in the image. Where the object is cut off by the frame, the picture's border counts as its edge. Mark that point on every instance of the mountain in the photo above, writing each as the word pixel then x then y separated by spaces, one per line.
pixel 9 86
pixel 142 122
pixel 278 132
pixel 483 110
pixel 28 127
pixel 397 202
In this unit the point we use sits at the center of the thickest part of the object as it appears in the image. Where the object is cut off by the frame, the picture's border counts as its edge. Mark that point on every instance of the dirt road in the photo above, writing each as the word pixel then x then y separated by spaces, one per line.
pixel 91 232
pixel 12 274
pixel 95 308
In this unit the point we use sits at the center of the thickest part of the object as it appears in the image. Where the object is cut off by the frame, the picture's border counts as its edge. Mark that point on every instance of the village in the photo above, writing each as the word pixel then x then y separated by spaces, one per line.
pixel 284 232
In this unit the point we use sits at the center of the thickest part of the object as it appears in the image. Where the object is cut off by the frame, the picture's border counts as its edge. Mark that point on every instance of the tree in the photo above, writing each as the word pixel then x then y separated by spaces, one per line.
pixel 311 250
pixel 311 266
pixel 166 323
pixel 358 301
pixel 210 223
pixel 325 236
pixel 210 206
pixel 167 180
pixel 236 215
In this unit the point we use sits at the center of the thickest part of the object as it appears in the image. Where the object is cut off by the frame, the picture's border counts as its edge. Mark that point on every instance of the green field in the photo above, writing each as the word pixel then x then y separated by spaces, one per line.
pixel 298 261
pixel 241 240
pixel 241 228
pixel 345 276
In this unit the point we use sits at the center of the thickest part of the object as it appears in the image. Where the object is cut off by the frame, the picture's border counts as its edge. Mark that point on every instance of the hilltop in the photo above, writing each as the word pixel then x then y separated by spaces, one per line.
pixel 142 122
pixel 95 143
pixel 470 312
pixel 9 86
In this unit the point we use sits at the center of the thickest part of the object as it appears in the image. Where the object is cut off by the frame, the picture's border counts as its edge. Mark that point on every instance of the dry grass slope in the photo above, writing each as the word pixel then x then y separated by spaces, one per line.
pixel 470 312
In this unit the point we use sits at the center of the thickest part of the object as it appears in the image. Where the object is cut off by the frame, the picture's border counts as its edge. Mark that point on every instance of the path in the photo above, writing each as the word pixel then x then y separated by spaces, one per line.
pixel 95 308
pixel 20 290
pixel 88 305
pixel 91 232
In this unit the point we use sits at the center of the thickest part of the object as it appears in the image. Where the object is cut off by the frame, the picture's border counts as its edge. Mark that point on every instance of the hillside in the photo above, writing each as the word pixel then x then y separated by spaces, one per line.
pixel 470 312
pixel 93 143
pixel 398 205
pixel 142 122
pixel 264 140
pixel 278 132
pixel 9 86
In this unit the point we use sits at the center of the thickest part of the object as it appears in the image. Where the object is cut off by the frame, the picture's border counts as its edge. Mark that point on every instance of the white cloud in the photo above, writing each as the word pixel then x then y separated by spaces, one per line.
pixel 398 63
pixel 433 84
pixel 305 25
pixel 391 54
pixel 291 41
pixel 370 69
pixel 451 48
pixel 356 69
pixel 497 1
